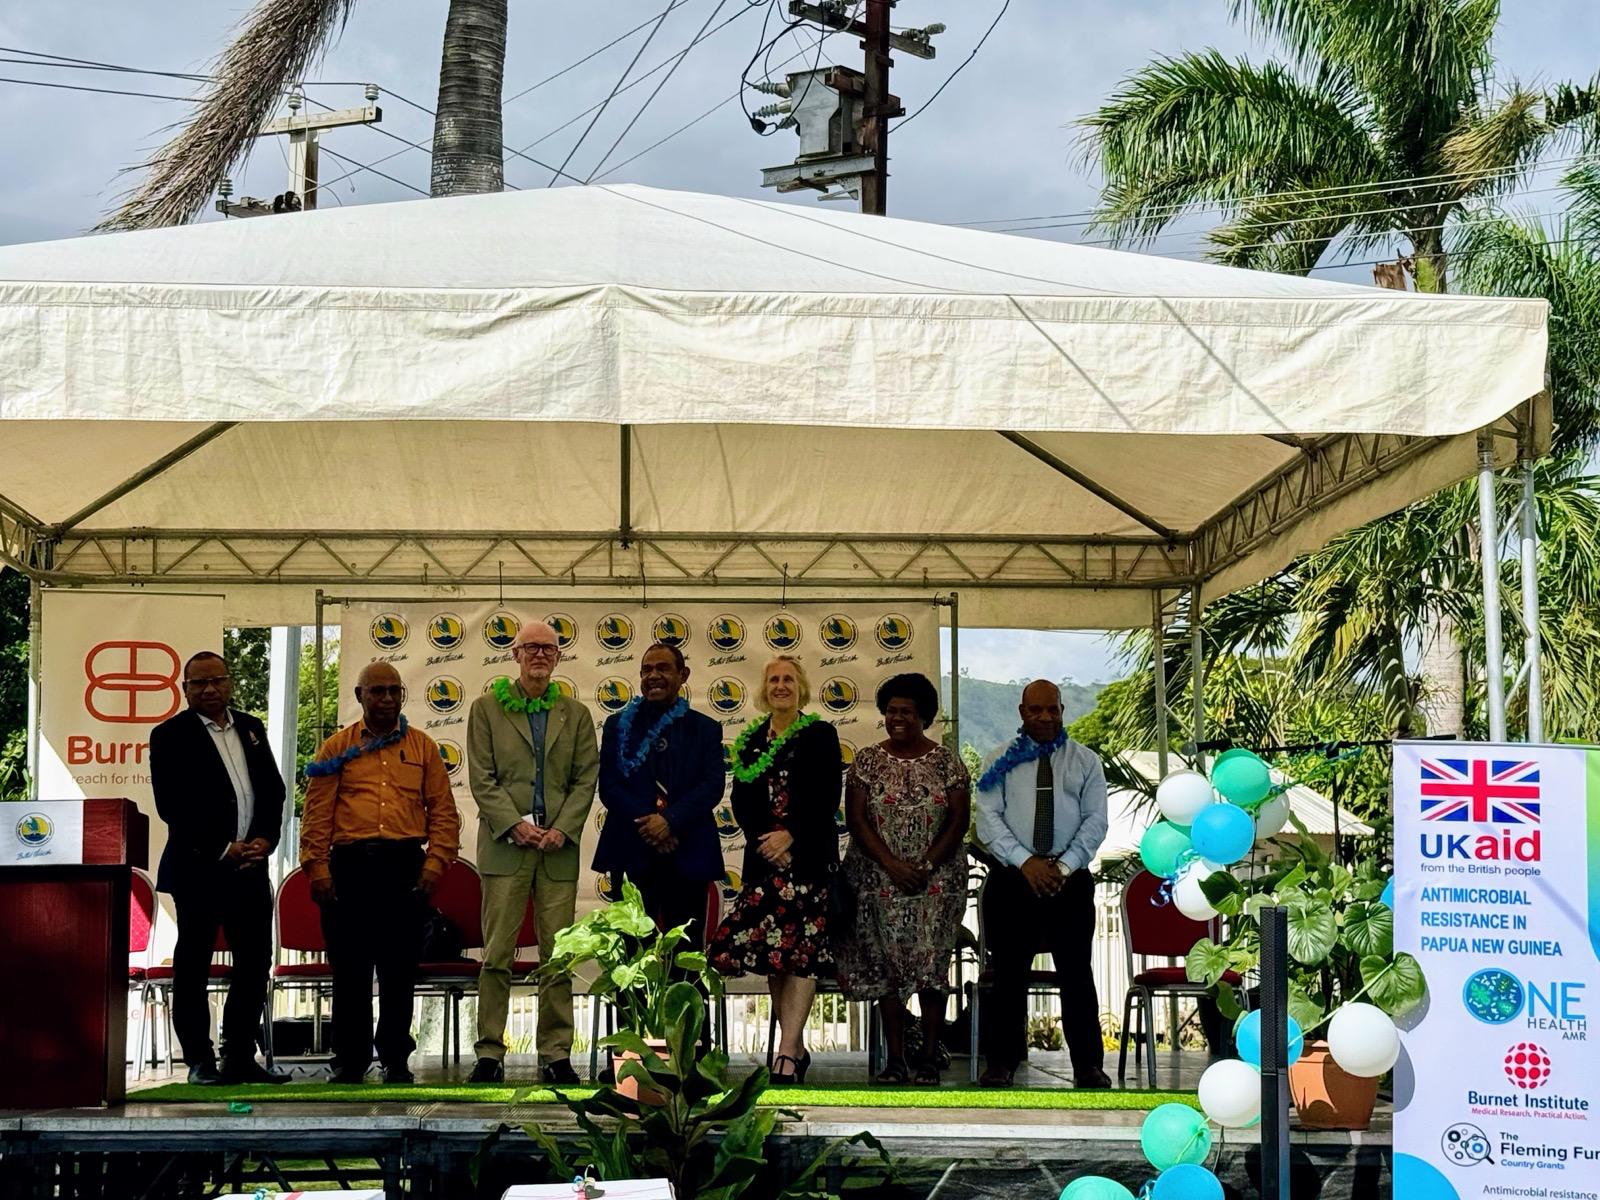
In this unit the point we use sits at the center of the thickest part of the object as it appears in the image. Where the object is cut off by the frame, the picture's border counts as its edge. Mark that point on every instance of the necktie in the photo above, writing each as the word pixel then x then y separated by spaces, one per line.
pixel 1044 809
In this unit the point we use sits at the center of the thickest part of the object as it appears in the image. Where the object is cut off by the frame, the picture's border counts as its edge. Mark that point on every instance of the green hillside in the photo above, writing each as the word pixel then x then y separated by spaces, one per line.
pixel 989 709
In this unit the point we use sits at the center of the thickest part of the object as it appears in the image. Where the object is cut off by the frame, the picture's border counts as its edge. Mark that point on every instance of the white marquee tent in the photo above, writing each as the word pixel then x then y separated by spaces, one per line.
pixel 617 388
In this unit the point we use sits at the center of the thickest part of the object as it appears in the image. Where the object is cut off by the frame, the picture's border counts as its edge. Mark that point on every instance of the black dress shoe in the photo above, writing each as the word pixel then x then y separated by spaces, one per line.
pixel 560 1072
pixel 398 1074
pixel 252 1072
pixel 347 1075
pixel 1094 1078
pixel 206 1074
pixel 998 1075
pixel 487 1070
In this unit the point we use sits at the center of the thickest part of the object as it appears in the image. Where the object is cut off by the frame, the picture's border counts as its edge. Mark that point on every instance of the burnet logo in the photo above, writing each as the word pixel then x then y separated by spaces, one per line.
pixel 1527 1065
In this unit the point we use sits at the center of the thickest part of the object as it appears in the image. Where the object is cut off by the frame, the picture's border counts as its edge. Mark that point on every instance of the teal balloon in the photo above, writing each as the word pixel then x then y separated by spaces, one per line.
pixel 1187 1181
pixel 1241 776
pixel 1173 1134
pixel 1387 899
pixel 1223 833
pixel 1247 1037
pixel 1162 845
pixel 1095 1187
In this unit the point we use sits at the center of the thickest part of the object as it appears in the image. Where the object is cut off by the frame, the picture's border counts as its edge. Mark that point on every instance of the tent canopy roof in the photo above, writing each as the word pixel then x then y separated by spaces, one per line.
pixel 607 386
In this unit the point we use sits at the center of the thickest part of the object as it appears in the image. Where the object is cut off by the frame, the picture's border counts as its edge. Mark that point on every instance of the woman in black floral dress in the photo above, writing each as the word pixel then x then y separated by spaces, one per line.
pixel 787 772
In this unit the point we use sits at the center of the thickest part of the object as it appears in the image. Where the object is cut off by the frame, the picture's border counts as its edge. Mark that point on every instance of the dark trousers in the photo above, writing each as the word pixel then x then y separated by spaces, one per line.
pixel 373 923
pixel 1017 925
pixel 674 899
pixel 239 902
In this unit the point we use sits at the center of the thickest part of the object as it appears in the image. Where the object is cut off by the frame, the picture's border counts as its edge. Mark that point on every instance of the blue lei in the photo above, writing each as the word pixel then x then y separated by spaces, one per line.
pixel 332 766
pixel 1023 750
pixel 631 762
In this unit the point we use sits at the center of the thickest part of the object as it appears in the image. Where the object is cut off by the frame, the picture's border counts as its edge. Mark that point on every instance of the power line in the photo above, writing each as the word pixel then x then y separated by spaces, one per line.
pixel 948 79
pixel 78 87
pixel 368 167
pixel 592 54
pixel 621 79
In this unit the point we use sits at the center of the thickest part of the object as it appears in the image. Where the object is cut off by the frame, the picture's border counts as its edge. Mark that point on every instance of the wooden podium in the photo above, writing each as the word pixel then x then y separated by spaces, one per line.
pixel 64 953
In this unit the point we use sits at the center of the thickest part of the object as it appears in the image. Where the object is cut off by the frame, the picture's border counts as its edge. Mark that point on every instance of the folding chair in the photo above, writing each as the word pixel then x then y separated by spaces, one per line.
pixel 158 986
pixel 459 897
pixel 142 910
pixel 299 931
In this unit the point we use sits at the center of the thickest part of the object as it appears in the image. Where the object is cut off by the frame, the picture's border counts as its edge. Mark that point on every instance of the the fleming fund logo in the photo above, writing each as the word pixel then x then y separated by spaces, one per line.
pixel 726 695
pixel 670 629
pixel 444 694
pixel 613 694
pixel 451 753
pixel 614 632
pixel 782 632
pixel 500 630
pixel 35 830
pixel 838 633
pixel 893 632
pixel 839 694
pixel 389 631
pixel 726 633
pixel 131 683
pixel 566 630
pixel 445 631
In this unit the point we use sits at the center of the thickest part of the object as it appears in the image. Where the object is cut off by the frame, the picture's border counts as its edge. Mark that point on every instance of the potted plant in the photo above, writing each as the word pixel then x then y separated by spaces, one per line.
pixel 1341 949
pixel 637 966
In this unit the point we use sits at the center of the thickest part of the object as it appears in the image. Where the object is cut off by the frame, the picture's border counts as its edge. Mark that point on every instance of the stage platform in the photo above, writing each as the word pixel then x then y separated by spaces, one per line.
pixel 424 1148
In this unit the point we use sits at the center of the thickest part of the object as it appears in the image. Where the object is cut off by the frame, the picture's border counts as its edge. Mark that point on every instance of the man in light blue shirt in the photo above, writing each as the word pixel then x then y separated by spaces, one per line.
pixel 1041 812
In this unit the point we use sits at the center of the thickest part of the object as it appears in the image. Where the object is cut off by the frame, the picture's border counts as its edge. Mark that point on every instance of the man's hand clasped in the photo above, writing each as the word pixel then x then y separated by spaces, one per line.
pixel 1042 876
pixel 657 834
pixel 252 853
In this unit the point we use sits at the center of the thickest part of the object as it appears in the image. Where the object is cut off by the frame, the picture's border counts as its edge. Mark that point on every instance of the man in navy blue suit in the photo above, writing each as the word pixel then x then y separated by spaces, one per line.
pixel 661 778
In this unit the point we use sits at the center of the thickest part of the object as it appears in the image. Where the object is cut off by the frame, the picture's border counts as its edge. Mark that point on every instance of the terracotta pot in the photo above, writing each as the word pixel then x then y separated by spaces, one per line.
pixel 630 1087
pixel 1325 1096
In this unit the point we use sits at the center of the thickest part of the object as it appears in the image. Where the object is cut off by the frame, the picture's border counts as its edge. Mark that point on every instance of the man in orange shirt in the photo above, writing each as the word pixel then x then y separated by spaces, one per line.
pixel 379 828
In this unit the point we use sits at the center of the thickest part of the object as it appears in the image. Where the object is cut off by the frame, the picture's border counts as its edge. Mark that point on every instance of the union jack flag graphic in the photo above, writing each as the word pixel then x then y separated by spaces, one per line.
pixel 1479 790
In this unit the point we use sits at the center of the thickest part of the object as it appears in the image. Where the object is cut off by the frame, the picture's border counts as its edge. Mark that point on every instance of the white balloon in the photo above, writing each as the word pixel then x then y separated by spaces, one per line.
pixel 1363 1040
pixel 1181 796
pixel 1187 895
pixel 1272 816
pixel 1230 1093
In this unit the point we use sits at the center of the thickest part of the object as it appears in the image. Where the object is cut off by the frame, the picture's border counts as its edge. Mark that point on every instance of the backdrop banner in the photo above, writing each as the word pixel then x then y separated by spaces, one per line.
pixel 448 654
pixel 1497 894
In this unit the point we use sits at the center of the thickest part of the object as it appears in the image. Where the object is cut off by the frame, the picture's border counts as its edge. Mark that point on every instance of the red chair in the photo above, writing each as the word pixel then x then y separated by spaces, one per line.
pixel 158 986
pixel 299 930
pixel 142 911
pixel 1154 930
pixel 459 897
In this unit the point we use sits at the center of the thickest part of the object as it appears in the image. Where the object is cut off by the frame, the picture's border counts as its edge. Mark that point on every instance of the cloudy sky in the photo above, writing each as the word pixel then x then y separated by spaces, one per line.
pixel 996 144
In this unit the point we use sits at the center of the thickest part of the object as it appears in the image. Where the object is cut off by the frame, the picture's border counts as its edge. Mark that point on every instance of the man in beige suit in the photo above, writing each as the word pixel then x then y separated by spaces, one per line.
pixel 532 761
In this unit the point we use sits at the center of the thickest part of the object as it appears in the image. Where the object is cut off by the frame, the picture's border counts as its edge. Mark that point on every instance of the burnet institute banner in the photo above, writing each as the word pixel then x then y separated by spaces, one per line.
pixel 1497 849
pixel 448 654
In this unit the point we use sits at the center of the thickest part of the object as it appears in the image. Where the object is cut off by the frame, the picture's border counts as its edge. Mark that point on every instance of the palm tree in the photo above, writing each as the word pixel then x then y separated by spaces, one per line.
pixel 277 41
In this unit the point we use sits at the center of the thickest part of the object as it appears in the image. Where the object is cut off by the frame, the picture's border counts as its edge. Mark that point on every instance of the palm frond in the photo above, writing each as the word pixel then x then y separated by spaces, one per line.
pixel 1490 152
pixel 276 42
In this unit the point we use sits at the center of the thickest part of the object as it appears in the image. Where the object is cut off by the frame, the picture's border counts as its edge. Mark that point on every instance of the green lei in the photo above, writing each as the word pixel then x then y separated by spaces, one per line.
pixel 754 771
pixel 514 703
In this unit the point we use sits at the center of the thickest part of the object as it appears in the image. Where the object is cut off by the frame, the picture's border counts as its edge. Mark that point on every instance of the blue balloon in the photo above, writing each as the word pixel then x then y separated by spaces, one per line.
pixel 1222 833
pixel 1247 1036
pixel 1388 894
pixel 1186 1181
pixel 1418 1179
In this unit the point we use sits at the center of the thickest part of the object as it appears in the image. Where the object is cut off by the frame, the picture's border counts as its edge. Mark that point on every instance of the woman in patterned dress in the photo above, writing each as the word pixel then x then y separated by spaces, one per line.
pixel 778 926
pixel 906 804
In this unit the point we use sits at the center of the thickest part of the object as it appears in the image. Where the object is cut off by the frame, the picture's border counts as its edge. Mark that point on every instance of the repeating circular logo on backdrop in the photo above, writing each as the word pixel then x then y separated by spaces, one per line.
pixel 613 693
pixel 727 756
pixel 500 630
pixel 726 695
pixel 731 884
pixel 35 829
pixel 838 695
pixel 614 632
pixel 1528 1065
pixel 847 753
pixel 893 632
pixel 389 631
pixel 451 753
pixel 726 633
pixel 782 632
pixel 727 827
pixel 566 629
pixel 1493 995
pixel 599 817
pixel 838 632
pixel 602 888
pixel 671 630
pixel 444 694
pixel 445 631
pixel 565 686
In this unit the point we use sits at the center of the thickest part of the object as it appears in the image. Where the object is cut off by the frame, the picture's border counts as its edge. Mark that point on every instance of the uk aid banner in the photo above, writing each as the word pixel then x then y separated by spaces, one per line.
pixel 447 655
pixel 1497 894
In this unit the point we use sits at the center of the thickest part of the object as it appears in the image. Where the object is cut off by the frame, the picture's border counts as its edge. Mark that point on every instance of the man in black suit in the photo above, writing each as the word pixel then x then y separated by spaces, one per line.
pixel 218 789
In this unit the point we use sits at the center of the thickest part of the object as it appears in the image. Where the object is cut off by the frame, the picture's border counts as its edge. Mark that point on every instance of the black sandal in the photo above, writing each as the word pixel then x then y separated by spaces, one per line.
pixel 788 1077
pixel 927 1074
pixel 895 1071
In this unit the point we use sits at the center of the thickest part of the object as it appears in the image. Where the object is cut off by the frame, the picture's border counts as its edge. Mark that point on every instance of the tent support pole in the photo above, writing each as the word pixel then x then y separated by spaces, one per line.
pixel 322 687
pixel 139 478
pixel 1100 491
pixel 625 500
pixel 1489 557
pixel 1530 604
pixel 35 679
pixel 283 707
pixel 1158 665
pixel 955 669
pixel 1197 677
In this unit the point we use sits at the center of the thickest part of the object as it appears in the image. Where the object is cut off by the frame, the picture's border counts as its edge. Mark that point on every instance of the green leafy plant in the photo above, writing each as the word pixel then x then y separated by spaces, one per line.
pixel 1341 934
pixel 638 965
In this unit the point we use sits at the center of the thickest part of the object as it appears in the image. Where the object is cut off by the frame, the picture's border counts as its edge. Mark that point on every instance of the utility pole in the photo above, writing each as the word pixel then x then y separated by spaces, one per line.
pixel 303 131
pixel 878 108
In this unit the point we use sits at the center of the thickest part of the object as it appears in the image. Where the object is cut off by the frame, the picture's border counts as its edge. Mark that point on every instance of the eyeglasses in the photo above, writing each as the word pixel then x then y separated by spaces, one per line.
pixel 384 689
pixel 538 650
pixel 216 681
